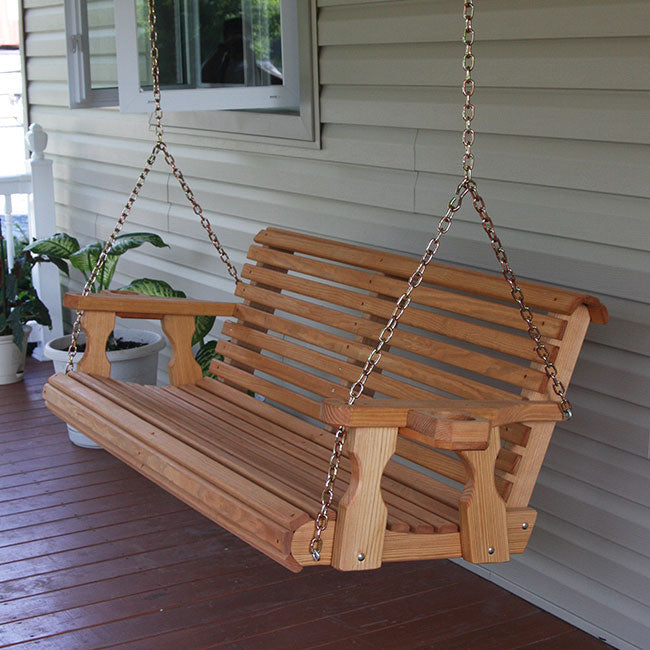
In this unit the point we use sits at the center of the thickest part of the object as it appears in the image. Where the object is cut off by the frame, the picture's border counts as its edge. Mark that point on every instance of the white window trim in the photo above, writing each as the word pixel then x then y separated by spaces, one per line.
pixel 82 95
pixel 134 99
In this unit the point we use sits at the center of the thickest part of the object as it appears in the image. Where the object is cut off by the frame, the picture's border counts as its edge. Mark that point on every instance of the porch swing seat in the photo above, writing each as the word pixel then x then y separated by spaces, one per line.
pixel 439 463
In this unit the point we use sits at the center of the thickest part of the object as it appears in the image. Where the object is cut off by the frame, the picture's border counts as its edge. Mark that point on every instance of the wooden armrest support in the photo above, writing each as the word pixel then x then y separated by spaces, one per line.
pixel 135 305
pixel 447 424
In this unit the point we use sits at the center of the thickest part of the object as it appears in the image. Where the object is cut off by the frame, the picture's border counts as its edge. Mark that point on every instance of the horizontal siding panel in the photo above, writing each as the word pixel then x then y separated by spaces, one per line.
pixel 384 188
pixel 343 22
pixel 31 4
pixel 611 421
pixel 603 63
pixel 198 284
pixel 146 213
pixel 116 181
pixel 44 19
pixel 47 69
pixel 80 223
pixel 592 268
pixel 391 148
pixel 605 168
pixel 609 116
pixel 45 44
pixel 598 465
pixel 104 122
pixel 622 570
pixel 625 331
pixel 234 233
pixel 615 373
pixel 595 510
pixel 560 212
pixel 49 93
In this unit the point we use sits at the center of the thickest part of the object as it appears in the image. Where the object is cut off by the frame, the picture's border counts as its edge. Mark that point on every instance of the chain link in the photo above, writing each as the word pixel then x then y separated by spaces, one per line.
pixel 159 146
pixel 466 186
pixel 518 297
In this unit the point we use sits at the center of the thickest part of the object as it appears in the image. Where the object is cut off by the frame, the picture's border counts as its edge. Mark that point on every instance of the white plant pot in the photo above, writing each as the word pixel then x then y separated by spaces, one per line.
pixel 12 358
pixel 138 365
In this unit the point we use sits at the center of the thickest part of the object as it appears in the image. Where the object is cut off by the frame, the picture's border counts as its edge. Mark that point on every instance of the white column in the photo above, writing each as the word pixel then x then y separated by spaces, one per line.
pixel 42 223
pixel 8 231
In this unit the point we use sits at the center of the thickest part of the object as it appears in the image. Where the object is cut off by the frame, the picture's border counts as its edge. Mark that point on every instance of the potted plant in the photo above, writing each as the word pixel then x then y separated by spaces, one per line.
pixel 133 354
pixel 18 305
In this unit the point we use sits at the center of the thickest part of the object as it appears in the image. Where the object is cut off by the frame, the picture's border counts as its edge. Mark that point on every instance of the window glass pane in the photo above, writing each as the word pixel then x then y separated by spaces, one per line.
pixel 213 43
pixel 101 43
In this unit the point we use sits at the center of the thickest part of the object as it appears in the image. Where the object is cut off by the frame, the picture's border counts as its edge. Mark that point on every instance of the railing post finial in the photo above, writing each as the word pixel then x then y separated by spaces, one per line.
pixel 36 139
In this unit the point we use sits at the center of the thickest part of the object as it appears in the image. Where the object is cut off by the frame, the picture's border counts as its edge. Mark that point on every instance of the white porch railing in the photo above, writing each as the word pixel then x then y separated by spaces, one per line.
pixel 38 184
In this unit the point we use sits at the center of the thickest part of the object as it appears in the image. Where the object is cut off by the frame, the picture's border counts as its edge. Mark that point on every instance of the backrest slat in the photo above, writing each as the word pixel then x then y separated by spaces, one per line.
pixel 477 362
pixel 539 296
pixel 313 309
pixel 494 339
pixel 438 378
pixel 477 308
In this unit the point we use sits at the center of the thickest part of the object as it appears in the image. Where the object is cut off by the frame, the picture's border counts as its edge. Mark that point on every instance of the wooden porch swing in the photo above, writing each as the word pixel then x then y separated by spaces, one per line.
pixel 442 466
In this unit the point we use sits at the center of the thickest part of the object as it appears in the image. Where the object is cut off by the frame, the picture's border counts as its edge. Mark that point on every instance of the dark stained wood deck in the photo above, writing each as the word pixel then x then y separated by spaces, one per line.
pixel 93 555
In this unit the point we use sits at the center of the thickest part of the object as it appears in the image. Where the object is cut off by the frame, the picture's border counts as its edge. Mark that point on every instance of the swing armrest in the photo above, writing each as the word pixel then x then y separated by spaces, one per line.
pixel 445 424
pixel 128 304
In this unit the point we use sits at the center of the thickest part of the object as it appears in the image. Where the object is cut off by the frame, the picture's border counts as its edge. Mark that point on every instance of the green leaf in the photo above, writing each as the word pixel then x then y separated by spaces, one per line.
pixel 155 288
pixel 203 326
pixel 86 258
pixel 57 261
pixel 106 273
pixel 16 327
pixel 205 355
pixel 60 245
pixel 11 287
pixel 34 309
pixel 127 241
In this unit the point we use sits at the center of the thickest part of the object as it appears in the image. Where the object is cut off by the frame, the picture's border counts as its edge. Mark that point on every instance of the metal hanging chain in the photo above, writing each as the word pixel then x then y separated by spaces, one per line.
pixel 159 146
pixel 466 186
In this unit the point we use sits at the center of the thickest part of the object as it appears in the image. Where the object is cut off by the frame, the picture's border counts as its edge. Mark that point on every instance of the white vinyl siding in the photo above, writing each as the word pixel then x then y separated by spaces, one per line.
pixel 562 161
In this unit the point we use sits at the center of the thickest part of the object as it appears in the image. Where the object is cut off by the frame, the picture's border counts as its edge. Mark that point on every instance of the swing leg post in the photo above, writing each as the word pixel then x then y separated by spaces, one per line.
pixel 362 513
pixel 97 326
pixel 483 525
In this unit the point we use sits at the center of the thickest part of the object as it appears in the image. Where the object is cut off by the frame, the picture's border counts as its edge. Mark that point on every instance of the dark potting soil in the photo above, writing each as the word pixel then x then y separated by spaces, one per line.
pixel 115 345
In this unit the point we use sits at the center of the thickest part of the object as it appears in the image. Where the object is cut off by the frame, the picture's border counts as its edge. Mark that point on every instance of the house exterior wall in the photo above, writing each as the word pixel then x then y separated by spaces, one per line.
pixel 562 160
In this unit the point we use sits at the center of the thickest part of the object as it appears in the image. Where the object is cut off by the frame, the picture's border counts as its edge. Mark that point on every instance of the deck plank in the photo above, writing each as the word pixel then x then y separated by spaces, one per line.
pixel 93 555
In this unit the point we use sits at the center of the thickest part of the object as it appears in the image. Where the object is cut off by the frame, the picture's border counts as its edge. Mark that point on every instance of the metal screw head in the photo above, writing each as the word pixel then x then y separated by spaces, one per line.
pixel 361 557
pixel 491 550
pixel 524 525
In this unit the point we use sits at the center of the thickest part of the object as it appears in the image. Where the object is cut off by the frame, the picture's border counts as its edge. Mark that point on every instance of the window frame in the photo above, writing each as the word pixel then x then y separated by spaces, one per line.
pixel 81 92
pixel 297 127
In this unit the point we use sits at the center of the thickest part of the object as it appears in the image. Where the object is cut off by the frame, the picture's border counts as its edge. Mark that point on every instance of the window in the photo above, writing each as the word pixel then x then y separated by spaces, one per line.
pixel 92 61
pixel 215 55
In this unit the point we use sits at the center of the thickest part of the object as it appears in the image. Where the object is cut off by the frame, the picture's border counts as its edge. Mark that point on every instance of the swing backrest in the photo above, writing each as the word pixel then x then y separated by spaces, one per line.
pixel 313 309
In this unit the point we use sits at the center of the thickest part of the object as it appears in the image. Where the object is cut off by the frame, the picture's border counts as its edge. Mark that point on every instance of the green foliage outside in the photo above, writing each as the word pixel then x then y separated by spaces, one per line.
pixel 267 31
pixel 212 16
pixel 18 300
